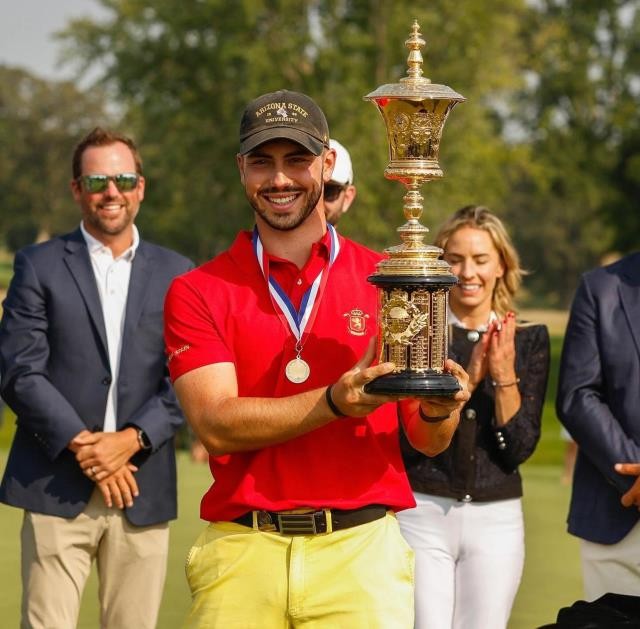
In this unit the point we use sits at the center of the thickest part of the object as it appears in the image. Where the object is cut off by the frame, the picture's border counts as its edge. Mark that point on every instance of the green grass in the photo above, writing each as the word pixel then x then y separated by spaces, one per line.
pixel 193 481
pixel 551 576
pixel 6 272
pixel 550 449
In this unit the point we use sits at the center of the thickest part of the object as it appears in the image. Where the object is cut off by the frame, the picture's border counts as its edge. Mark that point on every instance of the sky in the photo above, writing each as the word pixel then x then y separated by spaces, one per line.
pixel 26 30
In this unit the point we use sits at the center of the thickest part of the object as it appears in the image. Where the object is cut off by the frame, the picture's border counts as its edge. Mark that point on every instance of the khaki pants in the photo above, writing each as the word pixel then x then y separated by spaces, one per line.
pixel 56 560
pixel 356 578
pixel 612 567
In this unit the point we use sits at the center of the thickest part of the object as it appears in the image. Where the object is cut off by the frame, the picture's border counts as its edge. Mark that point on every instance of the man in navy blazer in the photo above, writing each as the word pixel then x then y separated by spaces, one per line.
pixel 83 367
pixel 599 403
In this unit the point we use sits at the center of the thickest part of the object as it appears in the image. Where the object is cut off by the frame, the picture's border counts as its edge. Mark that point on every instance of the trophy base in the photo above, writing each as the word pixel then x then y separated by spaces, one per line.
pixel 414 385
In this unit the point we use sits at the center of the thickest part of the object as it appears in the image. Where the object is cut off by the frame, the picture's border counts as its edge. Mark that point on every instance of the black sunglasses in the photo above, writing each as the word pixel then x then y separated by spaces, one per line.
pixel 332 191
pixel 125 182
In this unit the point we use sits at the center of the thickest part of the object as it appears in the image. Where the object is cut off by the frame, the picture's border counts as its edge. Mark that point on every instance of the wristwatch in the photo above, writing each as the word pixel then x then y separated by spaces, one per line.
pixel 143 440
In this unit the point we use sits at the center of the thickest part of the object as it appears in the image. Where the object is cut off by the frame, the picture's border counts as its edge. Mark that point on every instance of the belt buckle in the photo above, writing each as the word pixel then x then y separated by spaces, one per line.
pixel 264 521
pixel 297 523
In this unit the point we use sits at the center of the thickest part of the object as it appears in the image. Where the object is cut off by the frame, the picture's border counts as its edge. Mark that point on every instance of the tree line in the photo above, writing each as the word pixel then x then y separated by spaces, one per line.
pixel 549 137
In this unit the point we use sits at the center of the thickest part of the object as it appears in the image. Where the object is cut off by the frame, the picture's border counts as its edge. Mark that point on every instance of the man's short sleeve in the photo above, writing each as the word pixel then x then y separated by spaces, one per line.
pixel 192 335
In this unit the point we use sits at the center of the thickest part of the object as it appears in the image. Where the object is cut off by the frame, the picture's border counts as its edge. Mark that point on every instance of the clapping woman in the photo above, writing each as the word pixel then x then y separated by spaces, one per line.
pixel 467 530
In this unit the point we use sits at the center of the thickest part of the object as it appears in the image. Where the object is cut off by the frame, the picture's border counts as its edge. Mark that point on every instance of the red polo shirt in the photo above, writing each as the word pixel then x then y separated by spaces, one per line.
pixel 222 312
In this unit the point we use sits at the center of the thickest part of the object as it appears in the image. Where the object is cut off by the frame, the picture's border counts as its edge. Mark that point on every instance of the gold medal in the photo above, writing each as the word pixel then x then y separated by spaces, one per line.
pixel 297 370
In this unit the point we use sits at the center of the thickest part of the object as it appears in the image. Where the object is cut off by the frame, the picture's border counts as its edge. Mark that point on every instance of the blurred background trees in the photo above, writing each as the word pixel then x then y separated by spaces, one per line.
pixel 549 136
pixel 39 124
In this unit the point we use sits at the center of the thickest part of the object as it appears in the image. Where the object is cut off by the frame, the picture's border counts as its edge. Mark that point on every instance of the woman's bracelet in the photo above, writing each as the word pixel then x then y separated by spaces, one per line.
pixel 495 383
pixel 431 420
pixel 331 404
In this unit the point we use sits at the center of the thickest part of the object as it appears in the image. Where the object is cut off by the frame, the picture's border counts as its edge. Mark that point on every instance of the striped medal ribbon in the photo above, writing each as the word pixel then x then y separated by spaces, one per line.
pixel 298 321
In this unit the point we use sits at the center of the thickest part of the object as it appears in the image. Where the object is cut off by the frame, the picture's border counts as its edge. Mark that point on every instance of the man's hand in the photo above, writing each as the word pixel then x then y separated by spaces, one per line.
pixel 100 454
pixel 435 406
pixel 74 444
pixel 119 488
pixel 632 497
pixel 348 392
pixel 432 437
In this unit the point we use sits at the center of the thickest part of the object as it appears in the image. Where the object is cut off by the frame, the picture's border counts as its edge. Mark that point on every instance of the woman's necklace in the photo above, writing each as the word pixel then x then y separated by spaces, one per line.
pixel 473 335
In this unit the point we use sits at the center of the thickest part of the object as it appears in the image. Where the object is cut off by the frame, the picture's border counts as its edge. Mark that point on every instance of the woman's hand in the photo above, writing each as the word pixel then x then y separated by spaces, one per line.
pixel 501 349
pixel 477 368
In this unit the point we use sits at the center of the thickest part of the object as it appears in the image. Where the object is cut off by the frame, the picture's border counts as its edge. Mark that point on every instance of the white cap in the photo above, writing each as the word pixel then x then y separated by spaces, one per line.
pixel 343 172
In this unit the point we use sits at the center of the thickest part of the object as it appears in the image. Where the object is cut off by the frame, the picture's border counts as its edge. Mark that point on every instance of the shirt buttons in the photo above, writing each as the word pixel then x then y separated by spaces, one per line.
pixel 501 443
pixel 299 282
pixel 470 413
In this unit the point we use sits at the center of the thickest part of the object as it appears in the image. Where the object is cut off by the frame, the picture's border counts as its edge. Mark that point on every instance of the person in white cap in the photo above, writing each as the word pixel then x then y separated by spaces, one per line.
pixel 339 193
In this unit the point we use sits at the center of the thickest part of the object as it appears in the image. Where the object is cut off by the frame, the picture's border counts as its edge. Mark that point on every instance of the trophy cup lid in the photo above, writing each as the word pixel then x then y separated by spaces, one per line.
pixel 414 86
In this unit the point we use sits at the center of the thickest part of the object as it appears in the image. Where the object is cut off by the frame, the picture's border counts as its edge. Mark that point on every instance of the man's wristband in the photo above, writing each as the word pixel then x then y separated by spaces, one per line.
pixel 331 404
pixel 431 420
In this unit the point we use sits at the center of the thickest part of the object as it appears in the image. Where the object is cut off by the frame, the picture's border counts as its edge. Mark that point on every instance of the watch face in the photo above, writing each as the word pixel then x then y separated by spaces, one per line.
pixel 145 444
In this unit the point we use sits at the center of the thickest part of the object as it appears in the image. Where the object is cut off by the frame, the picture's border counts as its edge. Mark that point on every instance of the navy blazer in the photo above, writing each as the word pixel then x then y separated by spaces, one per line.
pixel 599 397
pixel 55 376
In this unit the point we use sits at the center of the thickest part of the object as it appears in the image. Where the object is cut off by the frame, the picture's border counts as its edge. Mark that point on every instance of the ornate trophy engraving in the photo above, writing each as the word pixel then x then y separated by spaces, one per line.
pixel 413 283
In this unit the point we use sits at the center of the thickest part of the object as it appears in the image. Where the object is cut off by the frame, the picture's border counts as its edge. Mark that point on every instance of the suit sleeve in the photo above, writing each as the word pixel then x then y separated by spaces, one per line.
pixel 24 352
pixel 161 416
pixel 581 402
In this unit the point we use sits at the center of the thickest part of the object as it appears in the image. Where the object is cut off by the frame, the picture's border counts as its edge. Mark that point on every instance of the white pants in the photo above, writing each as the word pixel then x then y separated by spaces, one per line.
pixel 612 567
pixel 469 560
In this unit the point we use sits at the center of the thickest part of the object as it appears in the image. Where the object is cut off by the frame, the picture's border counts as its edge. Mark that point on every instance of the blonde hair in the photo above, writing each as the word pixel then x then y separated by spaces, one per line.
pixel 479 217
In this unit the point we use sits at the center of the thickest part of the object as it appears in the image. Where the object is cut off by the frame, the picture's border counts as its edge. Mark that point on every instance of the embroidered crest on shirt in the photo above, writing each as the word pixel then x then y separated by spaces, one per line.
pixel 357 322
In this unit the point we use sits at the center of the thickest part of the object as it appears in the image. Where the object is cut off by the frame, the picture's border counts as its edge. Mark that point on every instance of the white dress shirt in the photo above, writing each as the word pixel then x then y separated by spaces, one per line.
pixel 112 278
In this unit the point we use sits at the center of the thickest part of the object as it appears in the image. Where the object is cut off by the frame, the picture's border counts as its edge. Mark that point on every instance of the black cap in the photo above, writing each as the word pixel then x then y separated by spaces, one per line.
pixel 284 115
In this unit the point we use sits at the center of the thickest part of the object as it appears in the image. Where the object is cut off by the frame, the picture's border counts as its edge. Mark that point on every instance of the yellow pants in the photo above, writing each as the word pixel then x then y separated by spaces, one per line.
pixel 360 577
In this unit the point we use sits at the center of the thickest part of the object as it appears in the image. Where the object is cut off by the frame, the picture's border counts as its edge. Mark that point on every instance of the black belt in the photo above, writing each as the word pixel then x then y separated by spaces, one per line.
pixel 313 522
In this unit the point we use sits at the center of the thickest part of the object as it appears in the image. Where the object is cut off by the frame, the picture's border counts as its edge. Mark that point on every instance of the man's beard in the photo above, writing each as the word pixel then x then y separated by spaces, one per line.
pixel 287 223
pixel 110 227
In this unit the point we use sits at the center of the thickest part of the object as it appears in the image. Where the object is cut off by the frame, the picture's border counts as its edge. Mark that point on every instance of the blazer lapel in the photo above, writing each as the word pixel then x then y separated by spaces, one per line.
pixel 141 270
pixel 79 264
pixel 629 290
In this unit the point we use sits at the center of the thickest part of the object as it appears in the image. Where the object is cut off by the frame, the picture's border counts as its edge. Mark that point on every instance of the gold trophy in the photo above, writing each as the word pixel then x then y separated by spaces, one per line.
pixel 413 282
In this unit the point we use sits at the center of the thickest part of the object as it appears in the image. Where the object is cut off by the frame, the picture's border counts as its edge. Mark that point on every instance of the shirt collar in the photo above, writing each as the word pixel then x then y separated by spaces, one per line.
pixel 453 320
pixel 319 249
pixel 94 245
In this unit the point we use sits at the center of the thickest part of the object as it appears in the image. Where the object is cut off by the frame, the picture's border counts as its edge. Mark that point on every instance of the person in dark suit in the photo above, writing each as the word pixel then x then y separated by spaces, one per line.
pixel 598 402
pixel 83 367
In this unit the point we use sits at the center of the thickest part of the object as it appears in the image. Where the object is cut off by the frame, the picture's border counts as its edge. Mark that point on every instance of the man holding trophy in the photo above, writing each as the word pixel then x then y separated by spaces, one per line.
pixel 271 349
